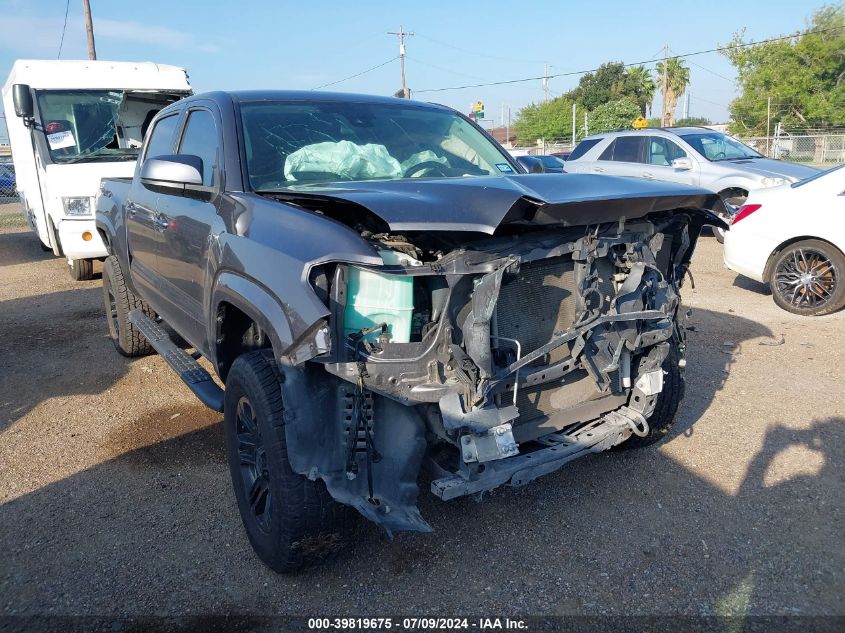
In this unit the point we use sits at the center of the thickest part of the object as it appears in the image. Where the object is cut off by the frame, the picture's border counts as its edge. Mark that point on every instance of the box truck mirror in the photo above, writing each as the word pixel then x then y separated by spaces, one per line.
pixel 22 98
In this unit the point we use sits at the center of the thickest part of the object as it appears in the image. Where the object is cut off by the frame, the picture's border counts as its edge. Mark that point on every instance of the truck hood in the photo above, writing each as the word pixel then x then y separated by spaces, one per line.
pixel 771 168
pixel 481 204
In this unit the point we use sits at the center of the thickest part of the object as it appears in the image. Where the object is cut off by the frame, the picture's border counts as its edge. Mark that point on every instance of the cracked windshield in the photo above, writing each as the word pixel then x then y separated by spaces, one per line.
pixel 293 144
pixel 83 126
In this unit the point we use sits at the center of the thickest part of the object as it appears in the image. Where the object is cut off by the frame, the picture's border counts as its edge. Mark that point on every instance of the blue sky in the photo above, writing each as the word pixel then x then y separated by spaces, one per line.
pixel 281 44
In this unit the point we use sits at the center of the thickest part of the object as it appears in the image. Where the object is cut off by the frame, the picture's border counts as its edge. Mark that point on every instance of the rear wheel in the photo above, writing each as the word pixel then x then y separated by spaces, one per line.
pixel 119 300
pixel 808 278
pixel 80 269
pixel 290 520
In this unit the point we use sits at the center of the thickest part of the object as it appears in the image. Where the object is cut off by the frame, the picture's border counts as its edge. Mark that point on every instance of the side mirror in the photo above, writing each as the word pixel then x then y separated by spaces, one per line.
pixel 22 99
pixel 682 164
pixel 172 173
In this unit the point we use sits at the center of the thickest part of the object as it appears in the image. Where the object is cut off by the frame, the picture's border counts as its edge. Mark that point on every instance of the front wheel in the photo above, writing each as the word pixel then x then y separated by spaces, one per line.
pixel 808 278
pixel 663 417
pixel 290 520
pixel 80 269
pixel 119 301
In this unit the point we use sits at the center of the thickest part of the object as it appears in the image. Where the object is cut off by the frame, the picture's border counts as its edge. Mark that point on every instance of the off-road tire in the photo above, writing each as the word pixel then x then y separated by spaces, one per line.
pixel 837 276
pixel 80 269
pixel 303 524
pixel 119 300
pixel 663 417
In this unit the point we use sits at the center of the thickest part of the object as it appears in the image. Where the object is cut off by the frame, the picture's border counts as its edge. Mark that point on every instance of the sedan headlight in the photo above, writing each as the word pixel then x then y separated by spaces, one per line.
pixel 77 206
pixel 773 182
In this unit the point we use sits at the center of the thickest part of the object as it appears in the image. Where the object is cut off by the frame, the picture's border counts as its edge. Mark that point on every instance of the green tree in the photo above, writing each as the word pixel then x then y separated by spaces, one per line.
pixel 605 84
pixel 614 115
pixel 673 83
pixel 638 80
pixel 549 120
pixel 804 76
pixel 693 120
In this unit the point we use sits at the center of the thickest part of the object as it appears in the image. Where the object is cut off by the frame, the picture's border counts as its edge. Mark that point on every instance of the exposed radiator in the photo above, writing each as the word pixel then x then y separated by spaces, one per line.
pixel 538 302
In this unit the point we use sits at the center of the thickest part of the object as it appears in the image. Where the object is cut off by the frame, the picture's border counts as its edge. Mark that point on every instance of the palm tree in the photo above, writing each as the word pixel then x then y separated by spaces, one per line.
pixel 643 86
pixel 673 83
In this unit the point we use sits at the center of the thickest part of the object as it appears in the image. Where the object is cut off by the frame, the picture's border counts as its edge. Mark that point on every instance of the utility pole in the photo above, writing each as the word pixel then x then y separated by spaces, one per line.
pixel 89 29
pixel 586 125
pixel 664 121
pixel 573 125
pixel 686 104
pixel 768 121
pixel 401 34
pixel 508 128
pixel 545 82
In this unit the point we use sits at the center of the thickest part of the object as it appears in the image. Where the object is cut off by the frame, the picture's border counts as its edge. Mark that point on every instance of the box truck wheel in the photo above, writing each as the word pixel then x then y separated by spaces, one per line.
pixel 80 269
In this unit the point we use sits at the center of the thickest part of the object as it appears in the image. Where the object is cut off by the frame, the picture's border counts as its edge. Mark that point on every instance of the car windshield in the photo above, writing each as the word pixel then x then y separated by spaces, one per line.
pixel 715 146
pixel 294 143
pixel 81 125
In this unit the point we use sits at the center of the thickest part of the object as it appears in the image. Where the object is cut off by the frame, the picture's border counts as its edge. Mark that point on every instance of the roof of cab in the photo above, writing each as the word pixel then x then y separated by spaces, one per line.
pixel 251 96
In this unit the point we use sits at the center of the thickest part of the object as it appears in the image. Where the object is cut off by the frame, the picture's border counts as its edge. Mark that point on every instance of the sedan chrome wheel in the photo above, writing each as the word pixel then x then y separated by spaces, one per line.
pixel 806 279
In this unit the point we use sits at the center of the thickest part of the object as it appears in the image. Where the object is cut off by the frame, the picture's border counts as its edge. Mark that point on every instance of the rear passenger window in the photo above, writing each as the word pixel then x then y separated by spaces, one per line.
pixel 607 154
pixel 200 139
pixel 160 140
pixel 583 147
pixel 628 149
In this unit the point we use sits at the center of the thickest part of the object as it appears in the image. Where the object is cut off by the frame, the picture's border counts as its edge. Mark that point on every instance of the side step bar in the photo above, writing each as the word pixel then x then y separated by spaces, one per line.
pixel 190 371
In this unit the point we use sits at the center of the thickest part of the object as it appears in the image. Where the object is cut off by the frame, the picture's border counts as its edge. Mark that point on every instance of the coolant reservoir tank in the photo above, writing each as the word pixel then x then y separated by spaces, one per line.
pixel 374 298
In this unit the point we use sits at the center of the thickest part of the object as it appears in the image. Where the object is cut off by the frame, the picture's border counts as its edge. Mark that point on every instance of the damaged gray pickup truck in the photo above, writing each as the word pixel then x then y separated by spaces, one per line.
pixel 384 294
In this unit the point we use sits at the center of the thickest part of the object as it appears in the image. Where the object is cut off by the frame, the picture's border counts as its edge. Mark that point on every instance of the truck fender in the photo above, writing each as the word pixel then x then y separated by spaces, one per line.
pixel 257 303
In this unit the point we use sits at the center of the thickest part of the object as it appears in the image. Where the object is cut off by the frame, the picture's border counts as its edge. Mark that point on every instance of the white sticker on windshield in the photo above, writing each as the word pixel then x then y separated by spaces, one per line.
pixel 505 168
pixel 59 140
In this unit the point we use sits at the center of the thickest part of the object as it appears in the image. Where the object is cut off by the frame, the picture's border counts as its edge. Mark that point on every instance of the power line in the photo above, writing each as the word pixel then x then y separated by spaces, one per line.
pixel 471 52
pixel 440 68
pixel 640 63
pixel 64 28
pixel 363 72
pixel 712 72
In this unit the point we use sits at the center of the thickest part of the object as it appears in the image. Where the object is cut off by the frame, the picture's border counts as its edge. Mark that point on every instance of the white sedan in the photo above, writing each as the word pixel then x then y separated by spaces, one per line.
pixel 792 237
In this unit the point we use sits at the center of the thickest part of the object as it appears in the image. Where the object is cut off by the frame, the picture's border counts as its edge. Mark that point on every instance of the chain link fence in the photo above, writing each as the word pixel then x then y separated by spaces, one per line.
pixel 8 182
pixel 815 149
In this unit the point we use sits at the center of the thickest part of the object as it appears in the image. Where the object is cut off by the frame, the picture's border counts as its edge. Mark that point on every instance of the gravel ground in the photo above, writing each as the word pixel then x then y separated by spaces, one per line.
pixel 115 497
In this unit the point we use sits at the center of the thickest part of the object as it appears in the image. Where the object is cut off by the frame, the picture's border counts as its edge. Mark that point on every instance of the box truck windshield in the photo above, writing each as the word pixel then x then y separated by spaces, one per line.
pixel 89 125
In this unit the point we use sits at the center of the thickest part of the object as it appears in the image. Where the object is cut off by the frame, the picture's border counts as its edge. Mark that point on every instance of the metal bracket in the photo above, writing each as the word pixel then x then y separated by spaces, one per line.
pixel 497 443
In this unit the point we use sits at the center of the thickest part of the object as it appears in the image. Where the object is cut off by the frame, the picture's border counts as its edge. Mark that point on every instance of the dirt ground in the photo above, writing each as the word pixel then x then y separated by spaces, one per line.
pixel 115 496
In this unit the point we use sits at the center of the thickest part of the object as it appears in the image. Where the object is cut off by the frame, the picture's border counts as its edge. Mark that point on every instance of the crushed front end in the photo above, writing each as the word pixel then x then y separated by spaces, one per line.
pixel 486 360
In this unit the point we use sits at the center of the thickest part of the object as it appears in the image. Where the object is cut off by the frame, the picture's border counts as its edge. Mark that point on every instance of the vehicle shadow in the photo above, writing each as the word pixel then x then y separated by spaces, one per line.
pixel 746 283
pixel 21 247
pixel 153 528
pixel 54 345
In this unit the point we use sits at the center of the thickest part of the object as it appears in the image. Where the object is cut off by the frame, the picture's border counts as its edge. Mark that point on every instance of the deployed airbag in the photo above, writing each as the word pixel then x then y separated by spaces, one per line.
pixel 343 158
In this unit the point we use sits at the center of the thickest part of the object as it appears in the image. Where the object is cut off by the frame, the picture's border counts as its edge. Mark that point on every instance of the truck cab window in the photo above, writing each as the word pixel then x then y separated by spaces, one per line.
pixel 200 139
pixel 160 141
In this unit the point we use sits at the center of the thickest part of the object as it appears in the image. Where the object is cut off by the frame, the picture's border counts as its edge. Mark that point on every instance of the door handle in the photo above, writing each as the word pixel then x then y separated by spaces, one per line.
pixel 131 208
pixel 648 175
pixel 599 169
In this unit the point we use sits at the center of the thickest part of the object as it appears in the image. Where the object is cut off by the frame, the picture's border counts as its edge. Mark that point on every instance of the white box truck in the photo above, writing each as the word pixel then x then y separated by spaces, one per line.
pixel 70 124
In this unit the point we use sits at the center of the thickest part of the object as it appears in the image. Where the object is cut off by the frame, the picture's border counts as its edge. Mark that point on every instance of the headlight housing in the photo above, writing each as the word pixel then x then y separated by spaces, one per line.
pixel 77 206
pixel 773 182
